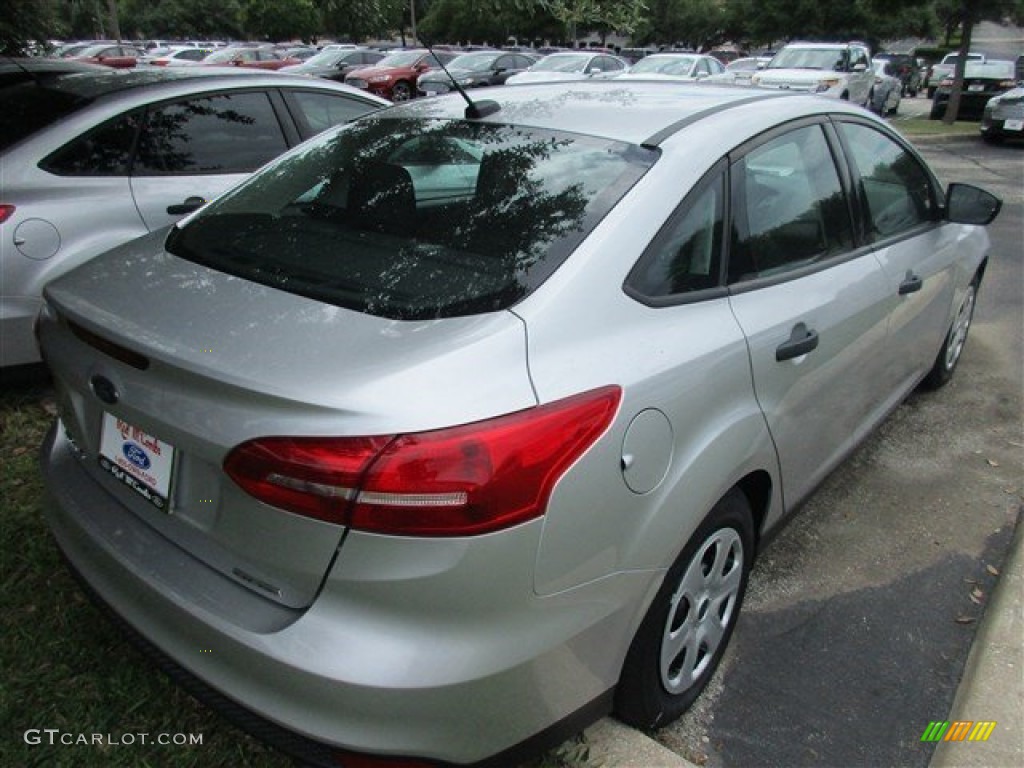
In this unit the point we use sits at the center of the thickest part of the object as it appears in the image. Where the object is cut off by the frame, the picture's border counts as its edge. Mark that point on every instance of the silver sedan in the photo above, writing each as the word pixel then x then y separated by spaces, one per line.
pixel 94 159
pixel 460 426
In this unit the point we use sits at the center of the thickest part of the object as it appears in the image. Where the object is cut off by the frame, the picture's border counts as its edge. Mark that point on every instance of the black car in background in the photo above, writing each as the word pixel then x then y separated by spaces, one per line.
pixel 475 70
pixel 335 64
pixel 906 68
pixel 982 81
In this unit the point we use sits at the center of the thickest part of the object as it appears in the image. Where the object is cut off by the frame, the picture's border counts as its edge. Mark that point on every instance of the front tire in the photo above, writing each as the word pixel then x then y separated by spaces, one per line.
pixel 953 347
pixel 688 625
pixel 401 91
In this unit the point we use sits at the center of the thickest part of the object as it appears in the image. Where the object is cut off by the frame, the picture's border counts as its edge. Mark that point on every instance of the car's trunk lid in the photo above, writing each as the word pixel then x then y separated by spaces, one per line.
pixel 165 363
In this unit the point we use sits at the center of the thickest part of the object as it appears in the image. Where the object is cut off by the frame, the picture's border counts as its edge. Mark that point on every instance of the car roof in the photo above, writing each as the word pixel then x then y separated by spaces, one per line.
pixel 637 112
pixel 100 84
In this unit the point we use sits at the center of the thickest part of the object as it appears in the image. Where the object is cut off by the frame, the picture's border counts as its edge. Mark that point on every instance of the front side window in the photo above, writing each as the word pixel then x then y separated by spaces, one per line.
pixel 227 133
pixel 790 209
pixel 895 187
pixel 413 218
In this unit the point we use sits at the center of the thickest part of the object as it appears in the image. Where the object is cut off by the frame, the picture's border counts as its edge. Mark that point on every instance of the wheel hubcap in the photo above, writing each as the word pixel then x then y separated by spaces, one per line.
pixel 958 334
pixel 701 610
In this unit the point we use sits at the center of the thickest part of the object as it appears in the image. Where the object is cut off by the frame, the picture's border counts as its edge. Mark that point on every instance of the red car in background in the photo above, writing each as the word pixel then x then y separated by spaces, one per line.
pixel 257 58
pixel 117 56
pixel 395 76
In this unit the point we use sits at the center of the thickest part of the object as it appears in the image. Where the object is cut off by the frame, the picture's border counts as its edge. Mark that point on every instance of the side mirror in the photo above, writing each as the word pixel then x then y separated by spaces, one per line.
pixel 860 67
pixel 967 204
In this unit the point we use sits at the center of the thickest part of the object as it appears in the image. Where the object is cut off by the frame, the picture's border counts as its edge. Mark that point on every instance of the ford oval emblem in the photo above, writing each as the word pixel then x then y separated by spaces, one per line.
pixel 135 454
pixel 104 389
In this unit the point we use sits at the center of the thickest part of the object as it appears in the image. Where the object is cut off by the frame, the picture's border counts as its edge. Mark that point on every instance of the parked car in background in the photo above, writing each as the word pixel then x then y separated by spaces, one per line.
pixel 336 63
pixel 452 433
pixel 115 56
pixel 571 65
pixel 885 93
pixel 674 66
pixel 633 55
pixel 179 57
pixel 1003 116
pixel 253 58
pixel 742 70
pixel 67 50
pixel 982 81
pixel 838 70
pixel 95 159
pixel 394 77
pixel 906 68
pixel 947 68
pixel 475 70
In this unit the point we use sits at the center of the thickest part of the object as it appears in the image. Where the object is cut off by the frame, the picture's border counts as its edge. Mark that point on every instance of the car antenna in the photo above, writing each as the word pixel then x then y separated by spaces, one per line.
pixel 475 109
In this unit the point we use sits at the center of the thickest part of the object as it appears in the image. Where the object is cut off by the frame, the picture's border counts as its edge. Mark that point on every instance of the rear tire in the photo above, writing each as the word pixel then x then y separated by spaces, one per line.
pixel 688 625
pixel 952 348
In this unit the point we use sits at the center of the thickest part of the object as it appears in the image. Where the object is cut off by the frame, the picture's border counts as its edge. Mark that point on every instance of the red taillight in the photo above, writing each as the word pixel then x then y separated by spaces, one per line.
pixel 6 211
pixel 460 481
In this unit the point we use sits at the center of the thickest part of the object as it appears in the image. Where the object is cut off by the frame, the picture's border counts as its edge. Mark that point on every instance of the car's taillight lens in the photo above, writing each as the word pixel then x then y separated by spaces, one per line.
pixel 6 211
pixel 461 481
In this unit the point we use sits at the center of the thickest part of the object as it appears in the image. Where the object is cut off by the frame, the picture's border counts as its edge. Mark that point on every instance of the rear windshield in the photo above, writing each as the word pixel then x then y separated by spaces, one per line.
pixel 28 107
pixel 415 219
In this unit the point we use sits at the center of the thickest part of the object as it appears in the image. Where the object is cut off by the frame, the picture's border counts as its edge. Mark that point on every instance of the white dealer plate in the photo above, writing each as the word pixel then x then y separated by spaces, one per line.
pixel 136 458
pixel 1013 125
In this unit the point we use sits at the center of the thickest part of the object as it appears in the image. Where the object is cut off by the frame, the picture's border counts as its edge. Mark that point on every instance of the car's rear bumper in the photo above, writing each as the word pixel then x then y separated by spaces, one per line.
pixel 351 673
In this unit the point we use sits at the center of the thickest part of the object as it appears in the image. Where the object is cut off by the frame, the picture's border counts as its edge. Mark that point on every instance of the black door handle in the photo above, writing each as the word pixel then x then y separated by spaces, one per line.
pixel 911 284
pixel 801 341
pixel 190 204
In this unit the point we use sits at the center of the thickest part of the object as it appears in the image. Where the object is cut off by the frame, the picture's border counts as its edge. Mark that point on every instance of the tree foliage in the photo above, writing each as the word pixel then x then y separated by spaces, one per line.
pixel 696 24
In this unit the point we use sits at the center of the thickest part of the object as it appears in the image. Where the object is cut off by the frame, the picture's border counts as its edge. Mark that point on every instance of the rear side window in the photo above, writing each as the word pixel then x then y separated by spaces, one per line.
pixel 227 133
pixel 416 219
pixel 790 206
pixel 896 188
pixel 686 255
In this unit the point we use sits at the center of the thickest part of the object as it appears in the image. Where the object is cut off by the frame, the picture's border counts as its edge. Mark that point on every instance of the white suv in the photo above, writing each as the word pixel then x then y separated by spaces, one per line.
pixel 839 70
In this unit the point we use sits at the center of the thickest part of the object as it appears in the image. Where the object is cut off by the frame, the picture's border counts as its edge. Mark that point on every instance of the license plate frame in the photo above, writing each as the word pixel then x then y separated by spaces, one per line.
pixel 140 461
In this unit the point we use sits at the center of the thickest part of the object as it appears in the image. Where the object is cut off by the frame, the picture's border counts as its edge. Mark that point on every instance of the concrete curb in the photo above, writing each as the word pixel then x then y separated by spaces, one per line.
pixel 992 688
pixel 614 745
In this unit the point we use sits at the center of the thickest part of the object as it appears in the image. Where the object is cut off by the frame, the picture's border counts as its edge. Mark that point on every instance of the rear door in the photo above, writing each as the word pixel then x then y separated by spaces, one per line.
pixel 195 148
pixel 810 304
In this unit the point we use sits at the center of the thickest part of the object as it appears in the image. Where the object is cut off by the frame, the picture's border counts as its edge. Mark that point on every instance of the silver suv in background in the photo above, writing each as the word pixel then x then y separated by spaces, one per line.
pixel 839 70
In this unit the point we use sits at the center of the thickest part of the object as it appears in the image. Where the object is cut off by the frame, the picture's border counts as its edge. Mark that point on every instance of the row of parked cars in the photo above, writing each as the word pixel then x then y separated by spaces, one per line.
pixel 453 429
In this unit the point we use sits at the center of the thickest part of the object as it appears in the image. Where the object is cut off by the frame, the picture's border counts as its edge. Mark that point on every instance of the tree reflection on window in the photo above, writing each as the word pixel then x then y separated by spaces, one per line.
pixel 230 133
pixel 415 219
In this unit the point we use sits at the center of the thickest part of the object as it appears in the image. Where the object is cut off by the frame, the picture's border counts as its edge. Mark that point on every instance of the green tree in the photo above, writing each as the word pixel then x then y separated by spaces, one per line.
pixel 27 22
pixel 279 20
pixel 182 19
pixel 970 13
